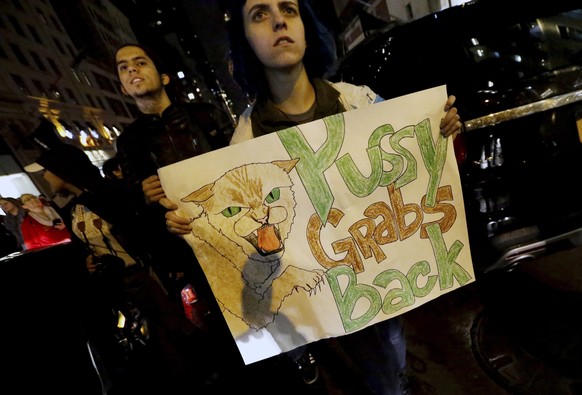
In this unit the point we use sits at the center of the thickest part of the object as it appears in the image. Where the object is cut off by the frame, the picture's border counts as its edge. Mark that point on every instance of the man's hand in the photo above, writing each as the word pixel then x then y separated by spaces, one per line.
pixel 152 189
pixel 175 223
pixel 451 124
pixel 59 226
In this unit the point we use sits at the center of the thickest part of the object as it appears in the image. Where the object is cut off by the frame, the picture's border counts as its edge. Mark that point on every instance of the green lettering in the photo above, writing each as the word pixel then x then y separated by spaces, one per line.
pixel 312 164
pixel 395 161
pixel 409 174
pixel 420 268
pixel 433 157
pixel 357 183
pixel 403 296
pixel 447 268
pixel 347 300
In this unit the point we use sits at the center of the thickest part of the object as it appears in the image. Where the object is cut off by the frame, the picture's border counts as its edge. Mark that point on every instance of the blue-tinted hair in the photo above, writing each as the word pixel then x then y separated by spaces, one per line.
pixel 319 59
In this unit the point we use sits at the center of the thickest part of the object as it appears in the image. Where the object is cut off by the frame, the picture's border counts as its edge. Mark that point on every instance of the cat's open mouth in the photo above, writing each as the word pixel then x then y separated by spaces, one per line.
pixel 266 240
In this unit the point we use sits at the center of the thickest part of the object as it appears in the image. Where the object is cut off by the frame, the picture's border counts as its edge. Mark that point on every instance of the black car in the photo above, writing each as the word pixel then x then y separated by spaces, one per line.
pixel 516 70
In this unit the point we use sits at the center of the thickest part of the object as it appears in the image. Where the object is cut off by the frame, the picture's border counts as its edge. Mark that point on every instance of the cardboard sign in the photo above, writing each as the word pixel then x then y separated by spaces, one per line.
pixel 324 229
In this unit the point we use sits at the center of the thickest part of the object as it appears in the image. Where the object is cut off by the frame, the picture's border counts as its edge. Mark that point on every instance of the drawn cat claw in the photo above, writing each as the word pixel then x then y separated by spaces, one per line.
pixel 319 280
pixel 314 290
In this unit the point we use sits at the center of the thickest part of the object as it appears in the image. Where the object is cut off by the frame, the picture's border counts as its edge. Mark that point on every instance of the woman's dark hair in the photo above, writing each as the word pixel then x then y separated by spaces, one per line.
pixel 14 201
pixel 320 55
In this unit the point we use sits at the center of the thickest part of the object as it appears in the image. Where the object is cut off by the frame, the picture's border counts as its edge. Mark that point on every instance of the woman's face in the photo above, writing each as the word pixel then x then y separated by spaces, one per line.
pixel 275 32
pixel 30 202
pixel 7 205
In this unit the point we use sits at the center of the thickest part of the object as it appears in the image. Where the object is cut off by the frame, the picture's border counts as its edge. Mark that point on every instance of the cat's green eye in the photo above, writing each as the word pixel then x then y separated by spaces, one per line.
pixel 230 211
pixel 273 196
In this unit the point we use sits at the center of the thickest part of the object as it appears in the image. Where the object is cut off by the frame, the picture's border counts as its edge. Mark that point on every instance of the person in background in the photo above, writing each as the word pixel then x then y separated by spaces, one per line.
pixel 161 345
pixel 168 131
pixel 14 216
pixel 281 56
pixel 112 169
pixel 165 132
pixel 8 243
pixel 42 226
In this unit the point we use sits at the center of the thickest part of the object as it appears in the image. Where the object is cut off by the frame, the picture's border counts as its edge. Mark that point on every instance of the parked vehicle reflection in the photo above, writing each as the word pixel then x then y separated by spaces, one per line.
pixel 517 75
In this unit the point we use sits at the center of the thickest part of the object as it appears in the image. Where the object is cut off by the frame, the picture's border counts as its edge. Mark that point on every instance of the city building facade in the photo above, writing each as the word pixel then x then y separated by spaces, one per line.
pixel 57 73
pixel 49 81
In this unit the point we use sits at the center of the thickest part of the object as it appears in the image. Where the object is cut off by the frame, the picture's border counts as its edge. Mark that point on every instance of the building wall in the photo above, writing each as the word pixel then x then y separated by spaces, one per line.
pixel 406 10
pixel 45 75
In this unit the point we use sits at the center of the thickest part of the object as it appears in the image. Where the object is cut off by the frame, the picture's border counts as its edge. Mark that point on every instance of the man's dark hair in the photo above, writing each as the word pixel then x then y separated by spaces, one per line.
pixel 320 55
pixel 160 66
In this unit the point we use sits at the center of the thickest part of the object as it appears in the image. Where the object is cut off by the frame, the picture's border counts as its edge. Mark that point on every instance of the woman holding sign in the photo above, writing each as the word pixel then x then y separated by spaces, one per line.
pixel 281 56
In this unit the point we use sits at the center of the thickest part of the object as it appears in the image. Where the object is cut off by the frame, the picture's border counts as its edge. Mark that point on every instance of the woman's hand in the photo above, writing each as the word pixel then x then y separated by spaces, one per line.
pixel 175 224
pixel 152 189
pixel 451 124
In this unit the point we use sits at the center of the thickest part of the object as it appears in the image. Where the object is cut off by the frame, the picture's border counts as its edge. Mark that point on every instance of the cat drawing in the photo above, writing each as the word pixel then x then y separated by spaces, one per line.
pixel 246 216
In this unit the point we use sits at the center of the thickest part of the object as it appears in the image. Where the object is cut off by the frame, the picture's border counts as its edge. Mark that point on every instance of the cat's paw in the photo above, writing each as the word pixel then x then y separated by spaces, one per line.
pixel 310 280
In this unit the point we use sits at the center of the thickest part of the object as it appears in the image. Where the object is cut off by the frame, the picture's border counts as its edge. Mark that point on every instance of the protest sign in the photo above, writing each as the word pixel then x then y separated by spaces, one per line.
pixel 326 228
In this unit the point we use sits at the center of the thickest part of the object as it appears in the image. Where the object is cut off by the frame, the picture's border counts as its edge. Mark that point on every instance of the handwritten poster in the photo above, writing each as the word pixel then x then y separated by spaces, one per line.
pixel 324 229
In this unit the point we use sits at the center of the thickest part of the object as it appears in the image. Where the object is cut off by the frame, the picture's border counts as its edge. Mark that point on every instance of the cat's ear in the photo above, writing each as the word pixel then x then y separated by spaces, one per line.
pixel 200 195
pixel 286 165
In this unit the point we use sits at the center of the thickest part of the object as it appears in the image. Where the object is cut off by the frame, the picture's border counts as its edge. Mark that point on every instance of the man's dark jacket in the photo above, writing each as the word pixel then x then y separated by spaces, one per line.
pixel 181 132
pixel 151 142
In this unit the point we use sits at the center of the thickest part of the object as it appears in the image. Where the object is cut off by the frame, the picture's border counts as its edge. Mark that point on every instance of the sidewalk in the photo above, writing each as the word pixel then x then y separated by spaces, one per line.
pixel 512 332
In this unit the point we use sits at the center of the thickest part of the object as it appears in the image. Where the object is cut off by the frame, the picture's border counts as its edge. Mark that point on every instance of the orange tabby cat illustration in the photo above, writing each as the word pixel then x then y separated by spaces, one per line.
pixel 246 216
